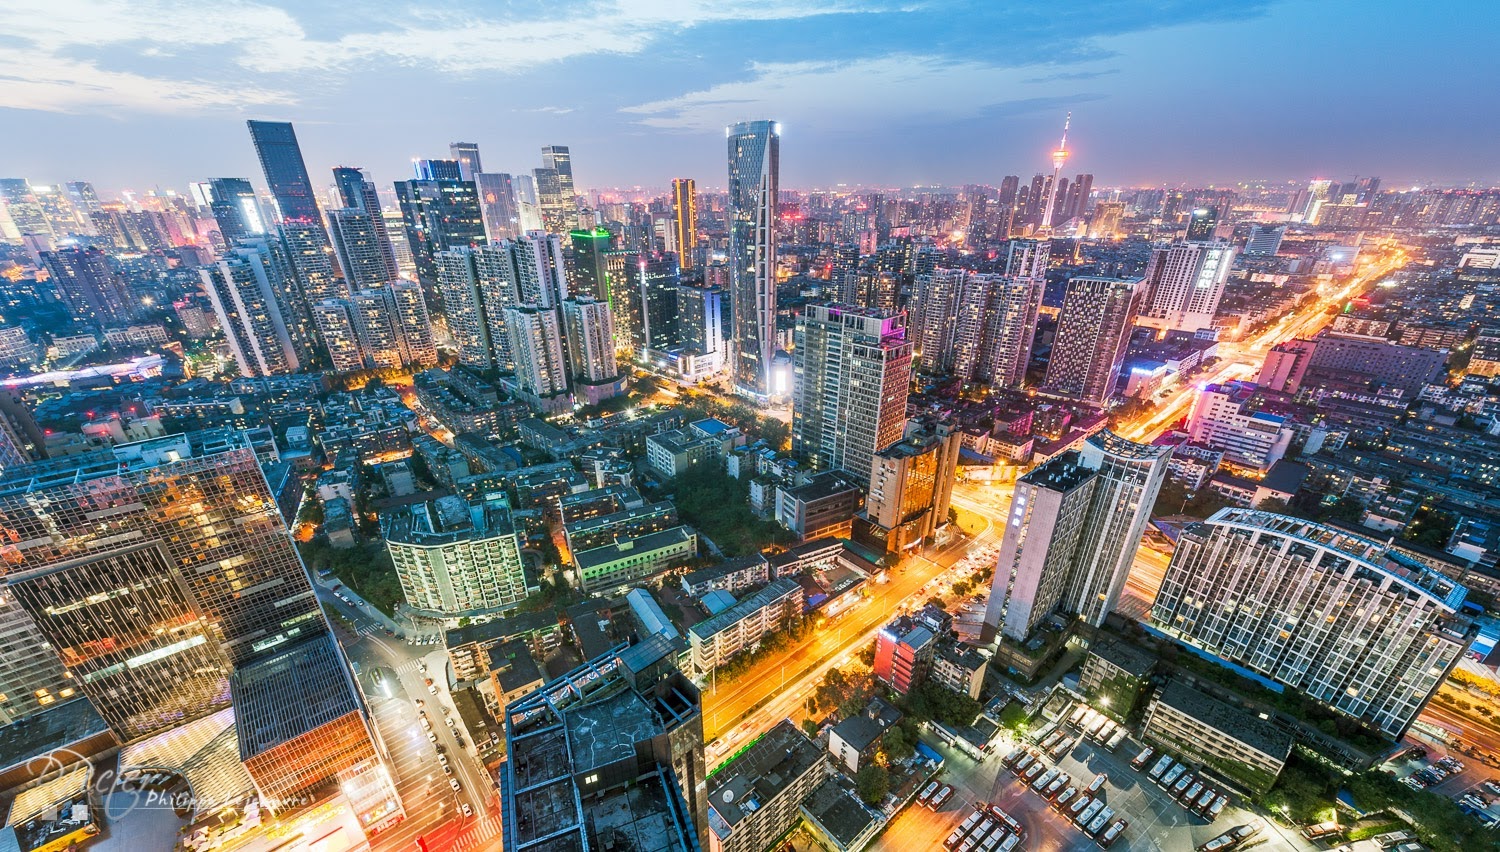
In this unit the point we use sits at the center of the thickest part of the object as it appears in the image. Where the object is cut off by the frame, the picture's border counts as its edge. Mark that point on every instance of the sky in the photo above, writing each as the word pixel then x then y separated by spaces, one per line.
pixel 136 94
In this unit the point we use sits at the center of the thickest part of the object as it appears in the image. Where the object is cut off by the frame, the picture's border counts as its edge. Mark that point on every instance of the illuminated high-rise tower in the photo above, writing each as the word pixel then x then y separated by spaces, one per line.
pixel 684 220
pixel 357 191
pixel 754 169
pixel 286 173
pixel 1059 157
pixel 467 155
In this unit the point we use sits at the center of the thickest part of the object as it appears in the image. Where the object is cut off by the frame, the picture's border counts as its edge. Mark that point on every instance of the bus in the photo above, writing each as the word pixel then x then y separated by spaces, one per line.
pixel 1142 759
pixel 1114 741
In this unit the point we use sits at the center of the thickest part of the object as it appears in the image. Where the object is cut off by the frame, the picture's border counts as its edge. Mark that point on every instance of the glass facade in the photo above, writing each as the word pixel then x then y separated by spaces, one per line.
pixel 754 168
pixel 286 174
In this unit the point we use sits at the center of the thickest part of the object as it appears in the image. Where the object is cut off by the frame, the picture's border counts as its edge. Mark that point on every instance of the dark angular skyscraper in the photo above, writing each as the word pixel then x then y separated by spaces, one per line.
pixel 232 201
pixel 439 215
pixel 754 169
pixel 286 174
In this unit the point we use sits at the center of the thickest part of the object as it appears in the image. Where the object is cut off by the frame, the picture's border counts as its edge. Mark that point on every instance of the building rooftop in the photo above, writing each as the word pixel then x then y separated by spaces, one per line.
pixel 448 520
pixel 312 672
pixel 821 486
pixel 1063 473
pixel 839 812
pixel 757 775
pixel 643 544
pixel 1240 724
pixel 1285 476
pixel 56 726
pixel 498 629
pixel 1115 445
pixel 862 729
pixel 728 566
pixel 1130 659
pixel 774 591
pixel 711 426
pixel 512 665
pixel 606 731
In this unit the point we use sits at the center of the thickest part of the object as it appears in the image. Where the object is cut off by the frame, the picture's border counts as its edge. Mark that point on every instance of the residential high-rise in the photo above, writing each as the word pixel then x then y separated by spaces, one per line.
pixel 754 169
pixel 590 331
pixel 232 202
pixel 20 202
pixel 1184 283
pixel 1013 306
pixel 1092 331
pixel 541 275
pixel 409 312
pixel 1077 204
pixel 438 215
pixel 853 373
pixel 1074 527
pixel 357 192
pixel 978 326
pixel 286 173
pixel 467 155
pixel 93 292
pixel 1265 240
pixel 464 307
pixel 455 557
pixel 188 597
pixel 375 324
pixel 289 281
pixel 497 204
pixel 1344 620
pixel 360 250
pixel 630 742
pixel 685 220
pixel 312 260
pixel 336 329
pixel 243 289
pixel 536 345
pixel 911 485
pixel 497 281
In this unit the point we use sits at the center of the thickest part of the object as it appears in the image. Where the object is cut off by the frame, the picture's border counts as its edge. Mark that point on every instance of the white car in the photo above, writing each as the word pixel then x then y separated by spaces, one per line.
pixel 468 811
pixel 453 782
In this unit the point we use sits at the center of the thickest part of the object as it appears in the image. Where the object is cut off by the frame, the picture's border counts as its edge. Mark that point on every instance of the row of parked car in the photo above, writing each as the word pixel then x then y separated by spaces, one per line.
pixel 987 829
pixel 1435 774
pixel 1192 792
pixel 1083 804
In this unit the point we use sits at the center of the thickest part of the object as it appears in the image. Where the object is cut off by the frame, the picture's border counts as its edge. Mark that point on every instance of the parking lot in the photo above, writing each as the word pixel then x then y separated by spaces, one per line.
pixel 1469 783
pixel 1156 821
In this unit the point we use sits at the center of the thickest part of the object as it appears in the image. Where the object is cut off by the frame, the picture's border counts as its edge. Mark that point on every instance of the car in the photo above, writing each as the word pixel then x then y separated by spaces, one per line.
pixel 432 690
pixel 447 770
pixel 468 811
pixel 431 737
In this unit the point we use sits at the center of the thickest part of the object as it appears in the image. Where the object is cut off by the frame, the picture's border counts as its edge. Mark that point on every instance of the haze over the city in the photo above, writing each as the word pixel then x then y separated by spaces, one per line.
pixel 135 95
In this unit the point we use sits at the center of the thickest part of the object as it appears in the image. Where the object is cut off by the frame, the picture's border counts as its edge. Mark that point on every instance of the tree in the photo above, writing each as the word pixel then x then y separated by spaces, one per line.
pixel 872 783
pixel 896 745
pixel 810 728
pixel 1272 504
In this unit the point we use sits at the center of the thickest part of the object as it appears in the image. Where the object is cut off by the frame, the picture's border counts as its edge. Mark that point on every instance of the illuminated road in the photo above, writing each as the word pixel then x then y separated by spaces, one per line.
pixel 1143 582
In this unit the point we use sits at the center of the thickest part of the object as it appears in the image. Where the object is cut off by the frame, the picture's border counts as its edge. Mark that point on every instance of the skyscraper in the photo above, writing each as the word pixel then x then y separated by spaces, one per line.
pixel 590 334
pixel 853 373
pixel 437 170
pixel 357 243
pixel 1184 283
pixel 1074 528
pixel 588 272
pixel 232 202
pixel 375 324
pixel 439 215
pixel 409 312
pixel 458 287
pixel 541 275
pixel 685 220
pixel 652 309
pixel 536 344
pixel 1342 619
pixel 1201 224
pixel 286 174
pixel 497 203
pixel 467 155
pixel 93 292
pixel 187 597
pixel 85 199
pixel 1092 331
pixel 1105 223
pixel 1265 240
pixel 754 169
pixel 340 340
pixel 911 486
pixel 553 206
pixel 357 192
pixel 559 159
pixel 25 211
pixel 243 289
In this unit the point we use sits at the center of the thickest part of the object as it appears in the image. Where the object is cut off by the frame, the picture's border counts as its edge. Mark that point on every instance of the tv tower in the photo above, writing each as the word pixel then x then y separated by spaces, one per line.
pixel 1059 157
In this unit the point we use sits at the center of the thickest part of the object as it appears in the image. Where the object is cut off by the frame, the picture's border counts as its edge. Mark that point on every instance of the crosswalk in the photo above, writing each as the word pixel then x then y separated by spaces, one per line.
pixel 367 628
pixel 408 667
pixel 483 834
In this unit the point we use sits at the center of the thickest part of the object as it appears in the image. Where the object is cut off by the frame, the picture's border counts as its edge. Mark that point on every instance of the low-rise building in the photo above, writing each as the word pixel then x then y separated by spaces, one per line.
pixel 589 533
pixel 854 741
pixel 824 505
pixel 669 454
pixel 838 819
pixel 628 561
pixel 1232 742
pixel 1114 676
pixel 756 797
pixel 720 638
pixel 959 667
pixel 731 575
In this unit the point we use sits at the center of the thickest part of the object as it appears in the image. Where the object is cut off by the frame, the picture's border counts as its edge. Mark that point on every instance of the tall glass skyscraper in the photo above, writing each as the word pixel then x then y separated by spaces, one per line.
pixel 754 168
pixel 286 174
pixel 232 201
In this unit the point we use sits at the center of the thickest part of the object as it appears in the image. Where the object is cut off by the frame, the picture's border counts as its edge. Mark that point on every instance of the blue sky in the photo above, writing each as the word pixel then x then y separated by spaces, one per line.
pixel 138 93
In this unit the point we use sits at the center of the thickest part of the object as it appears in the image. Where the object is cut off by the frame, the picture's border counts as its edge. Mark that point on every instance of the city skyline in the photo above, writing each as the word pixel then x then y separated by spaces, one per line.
pixel 113 91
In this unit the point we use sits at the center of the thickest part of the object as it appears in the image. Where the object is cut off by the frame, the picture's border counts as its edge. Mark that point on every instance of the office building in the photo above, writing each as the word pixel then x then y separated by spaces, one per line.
pixel 357 243
pixel 20 202
pixel 286 173
pixel 718 639
pixel 1184 283
pixel 1344 620
pixel 1230 741
pixel 1285 365
pixel 911 485
pixel 552 207
pixel 685 220
pixel 436 169
pixel 335 326
pixel 467 156
pixel 823 505
pixel 700 329
pixel 155 641
pixel 438 215
pixel 756 797
pixel 1105 223
pixel 588 268
pixel 853 373
pixel 234 207
pixel 754 170
pixel 1074 527
pixel 611 750
pixel 536 345
pixel 1265 240
pixel 32 677
pixel 651 304
pixel 1359 360
pixel 92 291
pixel 1228 416
pixel 903 652
pixel 560 160
pixel 497 205
pixel 455 557
pixel 590 332
pixel 1092 331
pixel 242 287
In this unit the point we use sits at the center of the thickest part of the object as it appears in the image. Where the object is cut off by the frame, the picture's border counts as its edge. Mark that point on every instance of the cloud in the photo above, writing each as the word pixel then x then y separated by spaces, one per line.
pixel 906 88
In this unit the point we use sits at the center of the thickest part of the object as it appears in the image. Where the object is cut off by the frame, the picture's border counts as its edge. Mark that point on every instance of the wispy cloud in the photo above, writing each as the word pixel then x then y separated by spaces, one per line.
pixel 906 88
